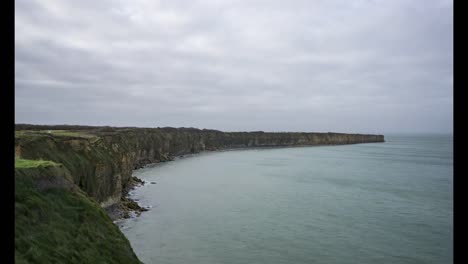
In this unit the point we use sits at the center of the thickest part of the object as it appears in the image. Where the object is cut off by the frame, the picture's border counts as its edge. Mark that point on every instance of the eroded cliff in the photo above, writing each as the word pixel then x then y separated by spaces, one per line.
pixel 101 159
pixel 56 222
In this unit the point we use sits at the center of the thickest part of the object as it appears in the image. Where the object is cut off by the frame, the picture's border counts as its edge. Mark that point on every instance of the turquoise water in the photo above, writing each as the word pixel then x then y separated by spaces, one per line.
pixel 368 203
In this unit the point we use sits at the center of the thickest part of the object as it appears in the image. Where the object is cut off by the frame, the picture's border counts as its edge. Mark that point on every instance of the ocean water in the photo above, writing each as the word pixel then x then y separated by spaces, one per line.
pixel 386 202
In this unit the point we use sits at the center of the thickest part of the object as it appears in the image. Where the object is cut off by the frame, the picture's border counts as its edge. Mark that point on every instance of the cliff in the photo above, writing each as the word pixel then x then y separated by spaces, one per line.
pixel 65 175
pixel 56 222
pixel 101 159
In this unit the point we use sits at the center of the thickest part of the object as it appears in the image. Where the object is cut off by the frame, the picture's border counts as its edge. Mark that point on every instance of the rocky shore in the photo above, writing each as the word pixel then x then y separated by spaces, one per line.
pixel 127 207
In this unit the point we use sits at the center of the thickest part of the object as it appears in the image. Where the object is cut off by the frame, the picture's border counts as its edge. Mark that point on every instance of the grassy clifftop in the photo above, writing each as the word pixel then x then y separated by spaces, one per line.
pixel 55 222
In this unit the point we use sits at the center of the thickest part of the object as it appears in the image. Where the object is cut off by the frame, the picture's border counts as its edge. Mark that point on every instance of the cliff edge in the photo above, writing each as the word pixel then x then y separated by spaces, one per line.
pixel 56 222
pixel 101 159
pixel 65 176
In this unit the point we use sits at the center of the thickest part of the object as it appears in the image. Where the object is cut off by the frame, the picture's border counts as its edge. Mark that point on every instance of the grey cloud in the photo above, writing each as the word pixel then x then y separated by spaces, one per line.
pixel 349 66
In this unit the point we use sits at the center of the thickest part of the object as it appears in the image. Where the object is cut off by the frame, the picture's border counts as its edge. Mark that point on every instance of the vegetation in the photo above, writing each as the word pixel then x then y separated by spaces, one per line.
pixel 63 226
pixel 24 163
pixel 64 133
pixel 74 157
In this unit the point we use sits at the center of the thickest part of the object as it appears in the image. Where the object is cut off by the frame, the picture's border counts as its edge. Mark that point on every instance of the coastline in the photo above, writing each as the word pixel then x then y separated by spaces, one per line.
pixel 101 159
pixel 130 208
pixel 285 192
pixel 127 207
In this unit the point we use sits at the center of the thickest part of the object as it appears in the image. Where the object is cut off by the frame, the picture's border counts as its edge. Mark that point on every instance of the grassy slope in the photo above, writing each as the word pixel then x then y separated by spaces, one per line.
pixel 65 133
pixel 61 226
pixel 24 163
pixel 81 164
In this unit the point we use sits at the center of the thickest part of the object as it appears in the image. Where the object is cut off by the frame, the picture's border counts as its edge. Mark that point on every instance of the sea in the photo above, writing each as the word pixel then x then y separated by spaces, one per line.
pixel 388 202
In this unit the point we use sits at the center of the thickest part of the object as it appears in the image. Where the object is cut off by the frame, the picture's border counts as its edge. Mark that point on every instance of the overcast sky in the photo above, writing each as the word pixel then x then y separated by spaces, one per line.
pixel 363 66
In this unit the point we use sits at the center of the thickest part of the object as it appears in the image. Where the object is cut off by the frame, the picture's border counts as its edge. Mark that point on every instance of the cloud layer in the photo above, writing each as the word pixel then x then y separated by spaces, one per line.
pixel 346 66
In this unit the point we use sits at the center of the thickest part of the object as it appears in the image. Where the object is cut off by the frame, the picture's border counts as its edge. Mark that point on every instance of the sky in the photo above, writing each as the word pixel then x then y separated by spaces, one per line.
pixel 352 66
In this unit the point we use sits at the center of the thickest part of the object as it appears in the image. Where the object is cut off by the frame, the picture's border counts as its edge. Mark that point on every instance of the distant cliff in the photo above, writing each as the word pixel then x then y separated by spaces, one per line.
pixel 101 159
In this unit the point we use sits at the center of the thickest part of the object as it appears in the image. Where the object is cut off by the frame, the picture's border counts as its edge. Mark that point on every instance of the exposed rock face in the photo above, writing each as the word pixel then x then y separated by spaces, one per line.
pixel 102 165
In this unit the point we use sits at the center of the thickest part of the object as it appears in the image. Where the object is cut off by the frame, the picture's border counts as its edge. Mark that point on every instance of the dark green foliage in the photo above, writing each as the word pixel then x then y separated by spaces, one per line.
pixel 61 226
pixel 80 163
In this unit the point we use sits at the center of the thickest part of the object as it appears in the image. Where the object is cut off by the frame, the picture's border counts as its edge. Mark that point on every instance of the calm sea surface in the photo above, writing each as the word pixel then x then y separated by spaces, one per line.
pixel 368 203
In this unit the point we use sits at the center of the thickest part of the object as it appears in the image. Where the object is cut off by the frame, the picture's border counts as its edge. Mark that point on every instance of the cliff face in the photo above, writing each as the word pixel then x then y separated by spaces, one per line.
pixel 55 222
pixel 101 160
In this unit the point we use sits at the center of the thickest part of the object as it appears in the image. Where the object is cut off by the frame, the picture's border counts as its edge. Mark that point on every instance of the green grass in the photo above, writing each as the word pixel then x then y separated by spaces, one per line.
pixel 64 133
pixel 68 133
pixel 61 226
pixel 80 163
pixel 25 163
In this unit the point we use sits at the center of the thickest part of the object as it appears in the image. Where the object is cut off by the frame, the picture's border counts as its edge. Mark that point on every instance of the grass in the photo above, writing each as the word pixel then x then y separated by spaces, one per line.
pixel 60 226
pixel 25 163
pixel 80 163
pixel 63 133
